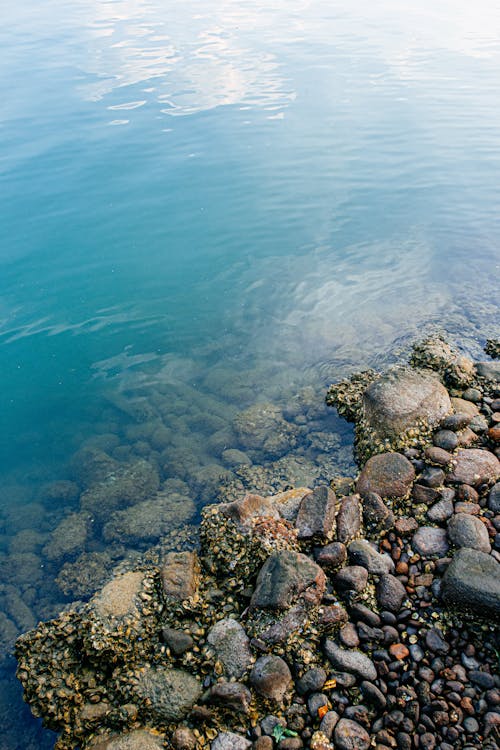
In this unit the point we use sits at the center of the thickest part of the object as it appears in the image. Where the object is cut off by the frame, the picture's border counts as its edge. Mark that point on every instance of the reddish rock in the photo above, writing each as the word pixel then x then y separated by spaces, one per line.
pixel 475 466
pixel 387 474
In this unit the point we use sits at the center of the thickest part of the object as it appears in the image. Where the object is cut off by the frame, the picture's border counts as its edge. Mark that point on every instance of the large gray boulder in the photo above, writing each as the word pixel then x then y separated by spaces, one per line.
pixel 401 399
pixel 472 581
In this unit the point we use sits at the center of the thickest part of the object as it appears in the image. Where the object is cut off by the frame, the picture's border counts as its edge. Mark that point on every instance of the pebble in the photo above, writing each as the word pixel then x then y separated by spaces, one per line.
pixel 271 677
pixel 349 735
pixel 465 530
pixel 429 541
pixel 311 681
pixel 440 511
pixel 446 440
pixel 349 636
pixel 438 455
pixel 331 556
pixel 351 578
pixel 390 593
pixel 362 553
pixel 348 519
pixel 432 476
pixel 354 662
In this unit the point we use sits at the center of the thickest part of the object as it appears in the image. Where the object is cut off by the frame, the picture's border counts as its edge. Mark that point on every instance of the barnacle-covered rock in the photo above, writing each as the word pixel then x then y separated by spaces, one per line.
pixel 436 354
pixel 69 537
pixel 262 427
pixel 492 348
pixel 137 739
pixel 167 694
pixel 123 485
pixel 347 395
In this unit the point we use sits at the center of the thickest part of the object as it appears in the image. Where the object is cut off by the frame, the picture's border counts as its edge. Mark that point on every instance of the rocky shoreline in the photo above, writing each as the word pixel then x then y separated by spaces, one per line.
pixel 352 614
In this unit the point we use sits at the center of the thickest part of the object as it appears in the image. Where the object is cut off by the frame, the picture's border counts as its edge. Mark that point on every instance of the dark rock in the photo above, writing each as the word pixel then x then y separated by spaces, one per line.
pixel 361 612
pixel 269 722
pixel 284 577
pixel 423 494
pixel 434 640
pixel 331 616
pixel 465 530
pixel 353 662
pixel 349 735
pixel 352 578
pixel 446 439
pixel 170 693
pixel 361 552
pixel 315 702
pixel 472 581
pixel 475 466
pixel 373 695
pixel 316 516
pixel 387 474
pixel 328 723
pixel 454 423
pixel 232 646
pixel 183 738
pixel 348 519
pixel 432 476
pixel 390 593
pixel 311 681
pixel 440 511
pixel 405 525
pixel 401 399
pixel 331 556
pixel 376 515
pixel 231 695
pixel 494 499
pixel 263 743
pixel 429 541
pixel 271 677
pixel 177 641
pixel 283 625
pixel 349 636
pixel 290 743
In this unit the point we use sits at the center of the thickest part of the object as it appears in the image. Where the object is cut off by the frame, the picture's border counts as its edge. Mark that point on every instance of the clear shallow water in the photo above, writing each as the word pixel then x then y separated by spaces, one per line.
pixel 224 203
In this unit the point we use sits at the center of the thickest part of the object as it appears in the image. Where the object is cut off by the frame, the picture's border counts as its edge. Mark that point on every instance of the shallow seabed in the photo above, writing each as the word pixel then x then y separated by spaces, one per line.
pixel 209 212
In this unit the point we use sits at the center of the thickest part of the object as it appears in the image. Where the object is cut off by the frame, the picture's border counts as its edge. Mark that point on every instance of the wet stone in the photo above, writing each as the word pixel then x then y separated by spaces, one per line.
pixel 284 577
pixel 390 593
pixel 387 474
pixel 271 677
pixel 177 641
pixel 230 741
pixel 331 556
pixel 376 515
pixel 422 494
pixel 180 575
pixel 432 476
pixel 349 735
pixel 454 423
pixel 429 542
pixel 434 640
pixel 354 662
pixel 472 581
pixel 349 636
pixel 232 646
pixel 233 695
pixel 351 578
pixel 440 511
pixel 475 466
pixel 465 530
pixel 348 519
pixel 316 516
pixel 439 456
pixel 446 439
pixel 362 553
pixel 494 499
pixel 311 681
pixel 170 693
pixel 328 723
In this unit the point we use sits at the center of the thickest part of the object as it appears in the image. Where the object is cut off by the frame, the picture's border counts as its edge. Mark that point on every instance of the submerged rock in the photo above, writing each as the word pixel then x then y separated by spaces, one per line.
pixel 262 428
pixel 124 485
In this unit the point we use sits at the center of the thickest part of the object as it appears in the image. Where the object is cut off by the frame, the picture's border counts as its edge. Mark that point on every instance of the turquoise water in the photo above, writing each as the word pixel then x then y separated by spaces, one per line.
pixel 211 205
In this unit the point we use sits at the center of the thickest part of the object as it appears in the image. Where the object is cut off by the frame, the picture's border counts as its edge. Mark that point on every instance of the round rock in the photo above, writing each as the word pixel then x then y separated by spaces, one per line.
pixel 349 735
pixel 387 474
pixel 271 677
pixel 232 646
pixel 390 593
pixel 475 466
pixel 171 692
pixel 465 530
pixel 429 541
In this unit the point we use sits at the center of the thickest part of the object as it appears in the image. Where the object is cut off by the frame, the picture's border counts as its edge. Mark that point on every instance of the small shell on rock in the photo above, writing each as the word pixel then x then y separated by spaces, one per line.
pixel 319 741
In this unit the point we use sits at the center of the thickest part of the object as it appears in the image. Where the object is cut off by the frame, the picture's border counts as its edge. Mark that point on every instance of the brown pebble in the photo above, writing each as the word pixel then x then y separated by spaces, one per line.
pixel 494 434
pixel 406 525
pixel 438 456
pixel 402 568
pixel 399 651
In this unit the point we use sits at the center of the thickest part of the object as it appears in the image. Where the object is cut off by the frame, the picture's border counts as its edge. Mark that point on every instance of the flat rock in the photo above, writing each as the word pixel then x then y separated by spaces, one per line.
pixel 465 530
pixel 348 518
pixel 118 598
pixel 316 516
pixel 331 556
pixel 351 578
pixel 387 474
pixel 180 575
pixel 138 739
pixel 271 677
pixel 440 511
pixel 429 541
pixel 463 407
pixel 361 552
pixel 472 581
pixel 354 662
pixel 233 695
pixel 232 646
pixel 230 741
pixel 171 693
pixel 475 466
pixel 401 399
pixel 285 576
